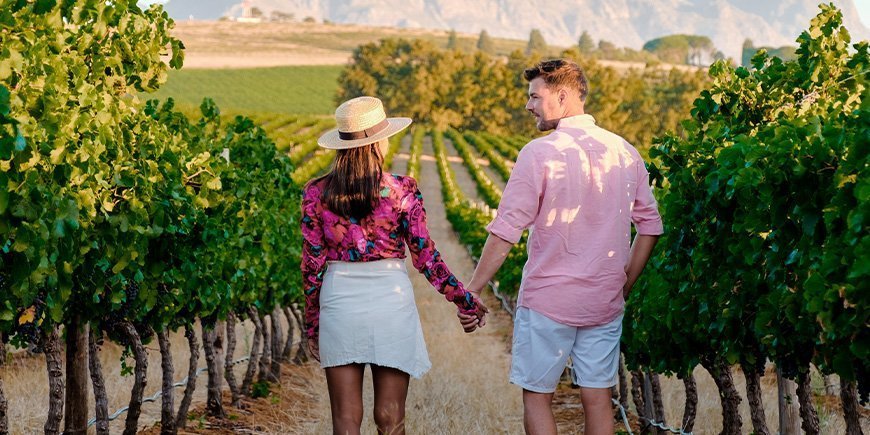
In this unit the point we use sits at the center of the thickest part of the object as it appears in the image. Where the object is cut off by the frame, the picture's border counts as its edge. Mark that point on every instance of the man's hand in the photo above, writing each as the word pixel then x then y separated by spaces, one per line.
pixel 314 348
pixel 469 323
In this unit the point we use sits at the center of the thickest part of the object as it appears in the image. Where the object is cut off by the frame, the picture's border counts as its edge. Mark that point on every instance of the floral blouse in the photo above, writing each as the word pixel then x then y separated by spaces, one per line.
pixel 398 220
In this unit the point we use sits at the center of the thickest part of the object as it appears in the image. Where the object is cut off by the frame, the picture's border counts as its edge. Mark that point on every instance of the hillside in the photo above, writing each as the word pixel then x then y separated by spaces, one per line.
pixel 626 23
pixel 229 44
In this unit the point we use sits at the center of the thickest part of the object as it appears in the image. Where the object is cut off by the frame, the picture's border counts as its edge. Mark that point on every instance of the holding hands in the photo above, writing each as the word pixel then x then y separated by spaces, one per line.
pixel 471 321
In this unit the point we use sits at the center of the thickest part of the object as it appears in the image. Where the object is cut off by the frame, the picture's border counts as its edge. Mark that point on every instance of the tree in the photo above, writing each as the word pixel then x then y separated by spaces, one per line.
pixel 607 49
pixel 537 44
pixel 282 17
pixel 747 52
pixel 484 43
pixel 701 50
pixel 586 44
pixel 451 40
pixel 688 49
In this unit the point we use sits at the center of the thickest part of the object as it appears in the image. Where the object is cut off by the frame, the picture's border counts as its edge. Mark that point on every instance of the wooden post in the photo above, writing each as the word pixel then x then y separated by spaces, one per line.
pixel 288 346
pixel 277 341
pixel 789 413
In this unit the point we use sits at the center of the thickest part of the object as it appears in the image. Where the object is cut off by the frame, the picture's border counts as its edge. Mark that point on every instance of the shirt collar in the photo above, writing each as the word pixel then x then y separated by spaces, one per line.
pixel 577 121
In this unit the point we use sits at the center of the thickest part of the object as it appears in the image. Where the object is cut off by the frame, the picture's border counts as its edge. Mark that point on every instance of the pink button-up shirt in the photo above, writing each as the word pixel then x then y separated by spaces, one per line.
pixel 578 190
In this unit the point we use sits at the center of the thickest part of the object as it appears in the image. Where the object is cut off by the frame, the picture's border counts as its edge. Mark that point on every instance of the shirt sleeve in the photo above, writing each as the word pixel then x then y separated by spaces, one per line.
pixel 424 256
pixel 313 259
pixel 645 213
pixel 521 200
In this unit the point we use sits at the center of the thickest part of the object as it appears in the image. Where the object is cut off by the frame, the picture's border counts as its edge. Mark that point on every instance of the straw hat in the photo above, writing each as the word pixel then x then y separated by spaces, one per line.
pixel 361 121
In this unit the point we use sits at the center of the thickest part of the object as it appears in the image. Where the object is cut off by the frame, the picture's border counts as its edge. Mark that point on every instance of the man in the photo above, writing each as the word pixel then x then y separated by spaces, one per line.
pixel 578 190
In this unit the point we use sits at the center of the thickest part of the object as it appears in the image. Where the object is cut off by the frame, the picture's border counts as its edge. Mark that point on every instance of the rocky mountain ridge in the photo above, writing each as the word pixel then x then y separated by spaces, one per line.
pixel 626 23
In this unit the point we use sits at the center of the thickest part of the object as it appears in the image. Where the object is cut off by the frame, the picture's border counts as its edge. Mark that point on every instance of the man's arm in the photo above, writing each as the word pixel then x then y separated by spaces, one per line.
pixel 641 250
pixel 495 250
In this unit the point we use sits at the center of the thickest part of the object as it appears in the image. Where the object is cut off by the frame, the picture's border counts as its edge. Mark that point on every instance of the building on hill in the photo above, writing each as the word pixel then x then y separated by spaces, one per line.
pixel 250 13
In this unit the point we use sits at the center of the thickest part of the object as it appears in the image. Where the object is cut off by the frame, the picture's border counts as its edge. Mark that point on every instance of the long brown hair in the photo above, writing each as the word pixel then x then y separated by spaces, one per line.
pixel 352 188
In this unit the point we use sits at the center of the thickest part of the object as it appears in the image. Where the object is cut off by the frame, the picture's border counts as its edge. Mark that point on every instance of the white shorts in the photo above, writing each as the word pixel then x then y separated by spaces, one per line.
pixel 541 347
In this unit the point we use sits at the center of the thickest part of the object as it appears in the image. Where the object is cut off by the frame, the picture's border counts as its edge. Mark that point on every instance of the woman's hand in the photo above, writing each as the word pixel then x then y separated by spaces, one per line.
pixel 471 322
pixel 314 348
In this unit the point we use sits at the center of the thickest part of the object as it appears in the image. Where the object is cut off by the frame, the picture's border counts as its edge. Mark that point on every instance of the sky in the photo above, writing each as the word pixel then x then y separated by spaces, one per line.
pixel 150 2
pixel 864 11
pixel 863 7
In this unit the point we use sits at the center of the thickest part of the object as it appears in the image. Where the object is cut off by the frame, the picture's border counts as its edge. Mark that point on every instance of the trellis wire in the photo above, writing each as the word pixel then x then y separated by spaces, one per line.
pixel 178 384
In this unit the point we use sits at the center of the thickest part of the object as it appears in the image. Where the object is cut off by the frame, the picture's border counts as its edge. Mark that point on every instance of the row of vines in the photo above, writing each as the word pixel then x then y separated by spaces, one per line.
pixel 764 194
pixel 124 220
pixel 765 253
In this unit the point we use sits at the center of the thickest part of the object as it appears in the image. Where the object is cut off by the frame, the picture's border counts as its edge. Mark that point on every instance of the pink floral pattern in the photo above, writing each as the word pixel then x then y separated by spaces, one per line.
pixel 399 220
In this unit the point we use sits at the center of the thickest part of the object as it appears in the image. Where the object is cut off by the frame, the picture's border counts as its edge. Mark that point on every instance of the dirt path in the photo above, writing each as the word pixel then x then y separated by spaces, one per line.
pixel 463 178
pixel 400 160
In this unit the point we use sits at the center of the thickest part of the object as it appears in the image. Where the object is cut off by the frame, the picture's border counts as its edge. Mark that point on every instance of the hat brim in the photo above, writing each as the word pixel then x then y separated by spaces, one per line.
pixel 331 140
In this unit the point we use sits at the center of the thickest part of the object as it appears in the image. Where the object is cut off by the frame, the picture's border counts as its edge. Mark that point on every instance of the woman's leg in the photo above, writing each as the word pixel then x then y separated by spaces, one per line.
pixel 391 390
pixel 345 397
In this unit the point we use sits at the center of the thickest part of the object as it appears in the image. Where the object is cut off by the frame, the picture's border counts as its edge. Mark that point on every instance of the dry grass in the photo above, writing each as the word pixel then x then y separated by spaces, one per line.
pixel 287 409
pixel 709 419
pixel 26 382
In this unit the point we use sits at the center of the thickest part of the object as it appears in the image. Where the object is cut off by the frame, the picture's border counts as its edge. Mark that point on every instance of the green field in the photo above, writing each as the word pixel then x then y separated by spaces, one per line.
pixel 289 89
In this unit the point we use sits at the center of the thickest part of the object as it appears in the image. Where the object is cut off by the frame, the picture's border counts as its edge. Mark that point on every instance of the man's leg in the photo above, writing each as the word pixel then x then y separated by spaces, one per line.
pixel 539 353
pixel 538 416
pixel 596 361
pixel 598 410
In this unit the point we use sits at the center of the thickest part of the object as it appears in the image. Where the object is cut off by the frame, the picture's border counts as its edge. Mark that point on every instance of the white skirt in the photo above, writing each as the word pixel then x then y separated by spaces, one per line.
pixel 368 316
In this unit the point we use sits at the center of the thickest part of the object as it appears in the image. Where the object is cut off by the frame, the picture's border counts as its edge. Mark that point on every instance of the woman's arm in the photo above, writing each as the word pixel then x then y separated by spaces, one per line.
pixel 313 259
pixel 425 256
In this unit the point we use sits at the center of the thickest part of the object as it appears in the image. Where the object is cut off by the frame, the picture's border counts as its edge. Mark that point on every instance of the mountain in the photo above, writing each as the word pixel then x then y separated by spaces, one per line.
pixel 626 23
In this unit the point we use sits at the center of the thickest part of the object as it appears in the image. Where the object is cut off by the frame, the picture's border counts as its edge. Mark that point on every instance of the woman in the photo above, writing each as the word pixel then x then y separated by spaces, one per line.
pixel 356 222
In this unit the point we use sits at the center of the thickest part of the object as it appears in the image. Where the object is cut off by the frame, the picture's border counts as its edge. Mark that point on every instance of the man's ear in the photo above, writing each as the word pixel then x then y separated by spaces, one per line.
pixel 563 95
